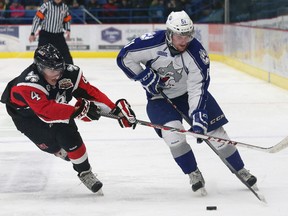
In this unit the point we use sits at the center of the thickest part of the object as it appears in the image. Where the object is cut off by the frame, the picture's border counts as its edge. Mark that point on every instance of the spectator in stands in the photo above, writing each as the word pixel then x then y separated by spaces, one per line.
pixel 157 11
pixel 76 7
pixel 142 10
pixel 93 7
pixel 102 2
pixel 2 11
pixel 241 11
pixel 17 11
pixel 124 5
pixel 173 5
pixel 206 8
pixel 32 4
pixel 110 11
pixel 93 4
pixel 140 4
pixel 74 4
pixel 2 5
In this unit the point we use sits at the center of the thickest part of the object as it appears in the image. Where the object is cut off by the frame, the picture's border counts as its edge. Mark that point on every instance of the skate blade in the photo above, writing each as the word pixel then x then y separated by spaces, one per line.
pixel 255 187
pixel 203 191
pixel 100 192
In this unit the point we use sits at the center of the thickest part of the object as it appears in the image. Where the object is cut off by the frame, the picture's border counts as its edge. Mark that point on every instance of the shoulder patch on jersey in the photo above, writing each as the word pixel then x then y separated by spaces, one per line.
pixel 65 84
pixel 71 68
pixel 32 77
pixel 147 36
pixel 204 56
pixel 162 53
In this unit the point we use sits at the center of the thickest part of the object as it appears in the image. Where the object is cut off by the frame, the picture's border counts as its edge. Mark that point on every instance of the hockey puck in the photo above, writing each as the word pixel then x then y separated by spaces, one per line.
pixel 211 207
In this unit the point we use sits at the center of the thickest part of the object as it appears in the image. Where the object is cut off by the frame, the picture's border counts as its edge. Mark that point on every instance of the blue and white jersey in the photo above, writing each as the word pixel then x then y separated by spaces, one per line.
pixel 185 72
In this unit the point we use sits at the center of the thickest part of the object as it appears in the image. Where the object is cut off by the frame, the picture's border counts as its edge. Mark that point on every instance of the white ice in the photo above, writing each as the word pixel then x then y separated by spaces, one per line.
pixel 139 175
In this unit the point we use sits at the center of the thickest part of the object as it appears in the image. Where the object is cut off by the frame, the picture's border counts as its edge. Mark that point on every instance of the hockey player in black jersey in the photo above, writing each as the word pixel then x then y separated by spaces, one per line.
pixel 37 101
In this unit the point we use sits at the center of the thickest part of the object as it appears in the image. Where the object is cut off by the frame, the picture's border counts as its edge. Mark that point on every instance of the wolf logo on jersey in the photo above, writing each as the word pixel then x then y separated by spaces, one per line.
pixel 170 75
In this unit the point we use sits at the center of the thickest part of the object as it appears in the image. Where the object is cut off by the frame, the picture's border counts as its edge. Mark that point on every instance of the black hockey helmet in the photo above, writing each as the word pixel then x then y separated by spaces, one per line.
pixel 47 56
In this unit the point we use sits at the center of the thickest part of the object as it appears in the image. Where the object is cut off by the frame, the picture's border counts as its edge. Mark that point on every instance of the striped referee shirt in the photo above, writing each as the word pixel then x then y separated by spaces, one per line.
pixel 53 18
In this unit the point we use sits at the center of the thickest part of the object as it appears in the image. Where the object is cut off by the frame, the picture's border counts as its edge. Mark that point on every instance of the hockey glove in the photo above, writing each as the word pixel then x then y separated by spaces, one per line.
pixel 126 114
pixel 199 122
pixel 150 80
pixel 86 110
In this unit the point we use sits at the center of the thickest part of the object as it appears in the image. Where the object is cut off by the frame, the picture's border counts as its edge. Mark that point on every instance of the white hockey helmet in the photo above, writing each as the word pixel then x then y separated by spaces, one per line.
pixel 179 23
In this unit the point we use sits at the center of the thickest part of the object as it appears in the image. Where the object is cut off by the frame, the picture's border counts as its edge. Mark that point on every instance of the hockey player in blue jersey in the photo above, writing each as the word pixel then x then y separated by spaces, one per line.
pixel 175 61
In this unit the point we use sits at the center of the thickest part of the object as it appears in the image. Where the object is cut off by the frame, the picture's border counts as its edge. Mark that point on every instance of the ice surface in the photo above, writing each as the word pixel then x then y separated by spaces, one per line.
pixel 139 175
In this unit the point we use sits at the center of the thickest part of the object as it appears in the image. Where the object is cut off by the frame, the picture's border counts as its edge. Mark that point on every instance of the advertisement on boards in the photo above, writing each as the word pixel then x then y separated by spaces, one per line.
pixel 9 39
pixel 114 37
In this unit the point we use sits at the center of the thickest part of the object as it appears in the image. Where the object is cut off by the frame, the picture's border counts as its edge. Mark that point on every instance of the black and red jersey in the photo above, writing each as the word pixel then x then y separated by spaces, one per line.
pixel 29 95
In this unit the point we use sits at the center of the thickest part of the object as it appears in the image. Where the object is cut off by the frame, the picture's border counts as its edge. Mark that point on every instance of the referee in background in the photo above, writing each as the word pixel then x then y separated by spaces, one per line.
pixel 54 18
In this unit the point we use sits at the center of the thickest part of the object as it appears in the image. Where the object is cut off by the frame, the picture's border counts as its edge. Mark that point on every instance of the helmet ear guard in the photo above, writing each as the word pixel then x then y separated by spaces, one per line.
pixel 179 23
pixel 48 56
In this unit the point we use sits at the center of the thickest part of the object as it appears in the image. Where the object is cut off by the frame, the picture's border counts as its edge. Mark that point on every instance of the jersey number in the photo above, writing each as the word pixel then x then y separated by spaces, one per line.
pixel 36 96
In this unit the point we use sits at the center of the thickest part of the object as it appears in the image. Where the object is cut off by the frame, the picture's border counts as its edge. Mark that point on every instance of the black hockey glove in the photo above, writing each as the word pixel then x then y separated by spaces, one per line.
pixel 199 122
pixel 86 110
pixel 126 114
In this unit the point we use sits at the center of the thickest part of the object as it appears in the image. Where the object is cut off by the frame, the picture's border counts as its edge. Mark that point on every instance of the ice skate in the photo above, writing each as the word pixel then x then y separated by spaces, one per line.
pixel 249 178
pixel 197 181
pixel 91 182
pixel 62 154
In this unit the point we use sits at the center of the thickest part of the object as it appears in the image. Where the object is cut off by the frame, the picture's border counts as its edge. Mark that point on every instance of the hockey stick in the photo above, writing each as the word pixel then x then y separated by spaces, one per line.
pixel 206 139
pixel 272 149
pixel 259 196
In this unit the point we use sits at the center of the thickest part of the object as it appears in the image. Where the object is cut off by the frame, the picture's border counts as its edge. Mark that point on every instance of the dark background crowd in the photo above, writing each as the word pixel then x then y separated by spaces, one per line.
pixel 148 11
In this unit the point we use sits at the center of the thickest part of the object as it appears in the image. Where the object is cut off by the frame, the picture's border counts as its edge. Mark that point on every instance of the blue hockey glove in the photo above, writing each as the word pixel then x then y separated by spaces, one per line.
pixel 199 122
pixel 150 80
